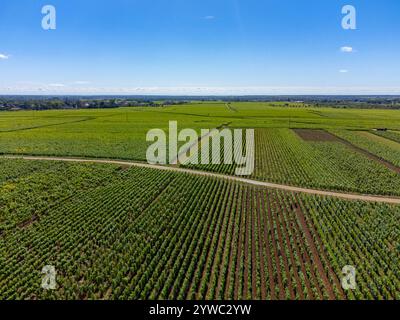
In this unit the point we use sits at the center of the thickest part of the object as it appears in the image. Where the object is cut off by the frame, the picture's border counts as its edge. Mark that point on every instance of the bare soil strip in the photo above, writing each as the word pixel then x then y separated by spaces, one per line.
pixel 308 261
pixel 229 232
pixel 246 246
pixel 301 259
pixel 235 237
pixel 254 266
pixel 261 241
pixel 239 251
pixel 226 219
pixel 287 229
pixel 282 250
pixel 212 250
pixel 315 254
pixel 267 242
pixel 325 257
pixel 345 196
pixel 275 249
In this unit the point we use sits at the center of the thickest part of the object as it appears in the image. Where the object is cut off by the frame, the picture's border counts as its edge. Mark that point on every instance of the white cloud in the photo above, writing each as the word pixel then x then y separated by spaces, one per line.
pixel 343 71
pixel 81 82
pixel 347 49
pixel 209 17
pixel 4 56
pixel 56 85
pixel 199 91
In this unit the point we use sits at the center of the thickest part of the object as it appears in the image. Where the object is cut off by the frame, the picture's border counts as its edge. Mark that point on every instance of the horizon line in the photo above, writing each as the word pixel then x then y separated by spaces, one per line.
pixel 43 89
pixel 198 96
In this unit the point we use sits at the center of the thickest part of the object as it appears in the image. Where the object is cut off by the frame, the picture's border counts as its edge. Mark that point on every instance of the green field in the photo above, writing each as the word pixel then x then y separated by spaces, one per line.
pixel 381 146
pixel 147 234
pixel 114 232
pixel 120 133
pixel 283 157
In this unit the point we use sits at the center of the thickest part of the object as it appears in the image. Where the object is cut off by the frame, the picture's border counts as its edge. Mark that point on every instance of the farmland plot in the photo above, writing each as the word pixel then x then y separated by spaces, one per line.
pixel 314 159
pixel 378 145
pixel 30 188
pixel 121 133
pixel 118 134
pixel 164 235
pixel 391 135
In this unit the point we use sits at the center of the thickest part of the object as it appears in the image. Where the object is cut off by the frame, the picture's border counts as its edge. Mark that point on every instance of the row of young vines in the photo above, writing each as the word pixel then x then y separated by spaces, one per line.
pixel 163 235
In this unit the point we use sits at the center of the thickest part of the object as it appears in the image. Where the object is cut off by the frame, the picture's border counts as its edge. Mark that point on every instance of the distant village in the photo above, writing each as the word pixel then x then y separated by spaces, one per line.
pixel 16 103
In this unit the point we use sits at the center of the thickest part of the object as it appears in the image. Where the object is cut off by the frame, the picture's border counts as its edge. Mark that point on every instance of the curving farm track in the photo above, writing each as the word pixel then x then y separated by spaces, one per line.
pixel 341 195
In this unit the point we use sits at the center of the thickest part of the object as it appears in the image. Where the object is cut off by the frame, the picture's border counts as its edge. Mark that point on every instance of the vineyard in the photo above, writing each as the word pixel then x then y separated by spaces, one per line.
pixel 28 190
pixel 118 134
pixel 161 235
pixel 282 156
pixel 121 133
pixel 382 147
pixel 199 159
pixel 116 232
pixel 392 135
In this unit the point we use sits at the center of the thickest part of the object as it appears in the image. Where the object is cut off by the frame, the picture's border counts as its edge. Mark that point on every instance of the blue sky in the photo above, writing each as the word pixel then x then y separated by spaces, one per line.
pixel 199 47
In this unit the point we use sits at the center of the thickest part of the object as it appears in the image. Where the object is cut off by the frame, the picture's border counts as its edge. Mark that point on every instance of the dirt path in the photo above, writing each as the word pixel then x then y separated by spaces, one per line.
pixel 346 196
